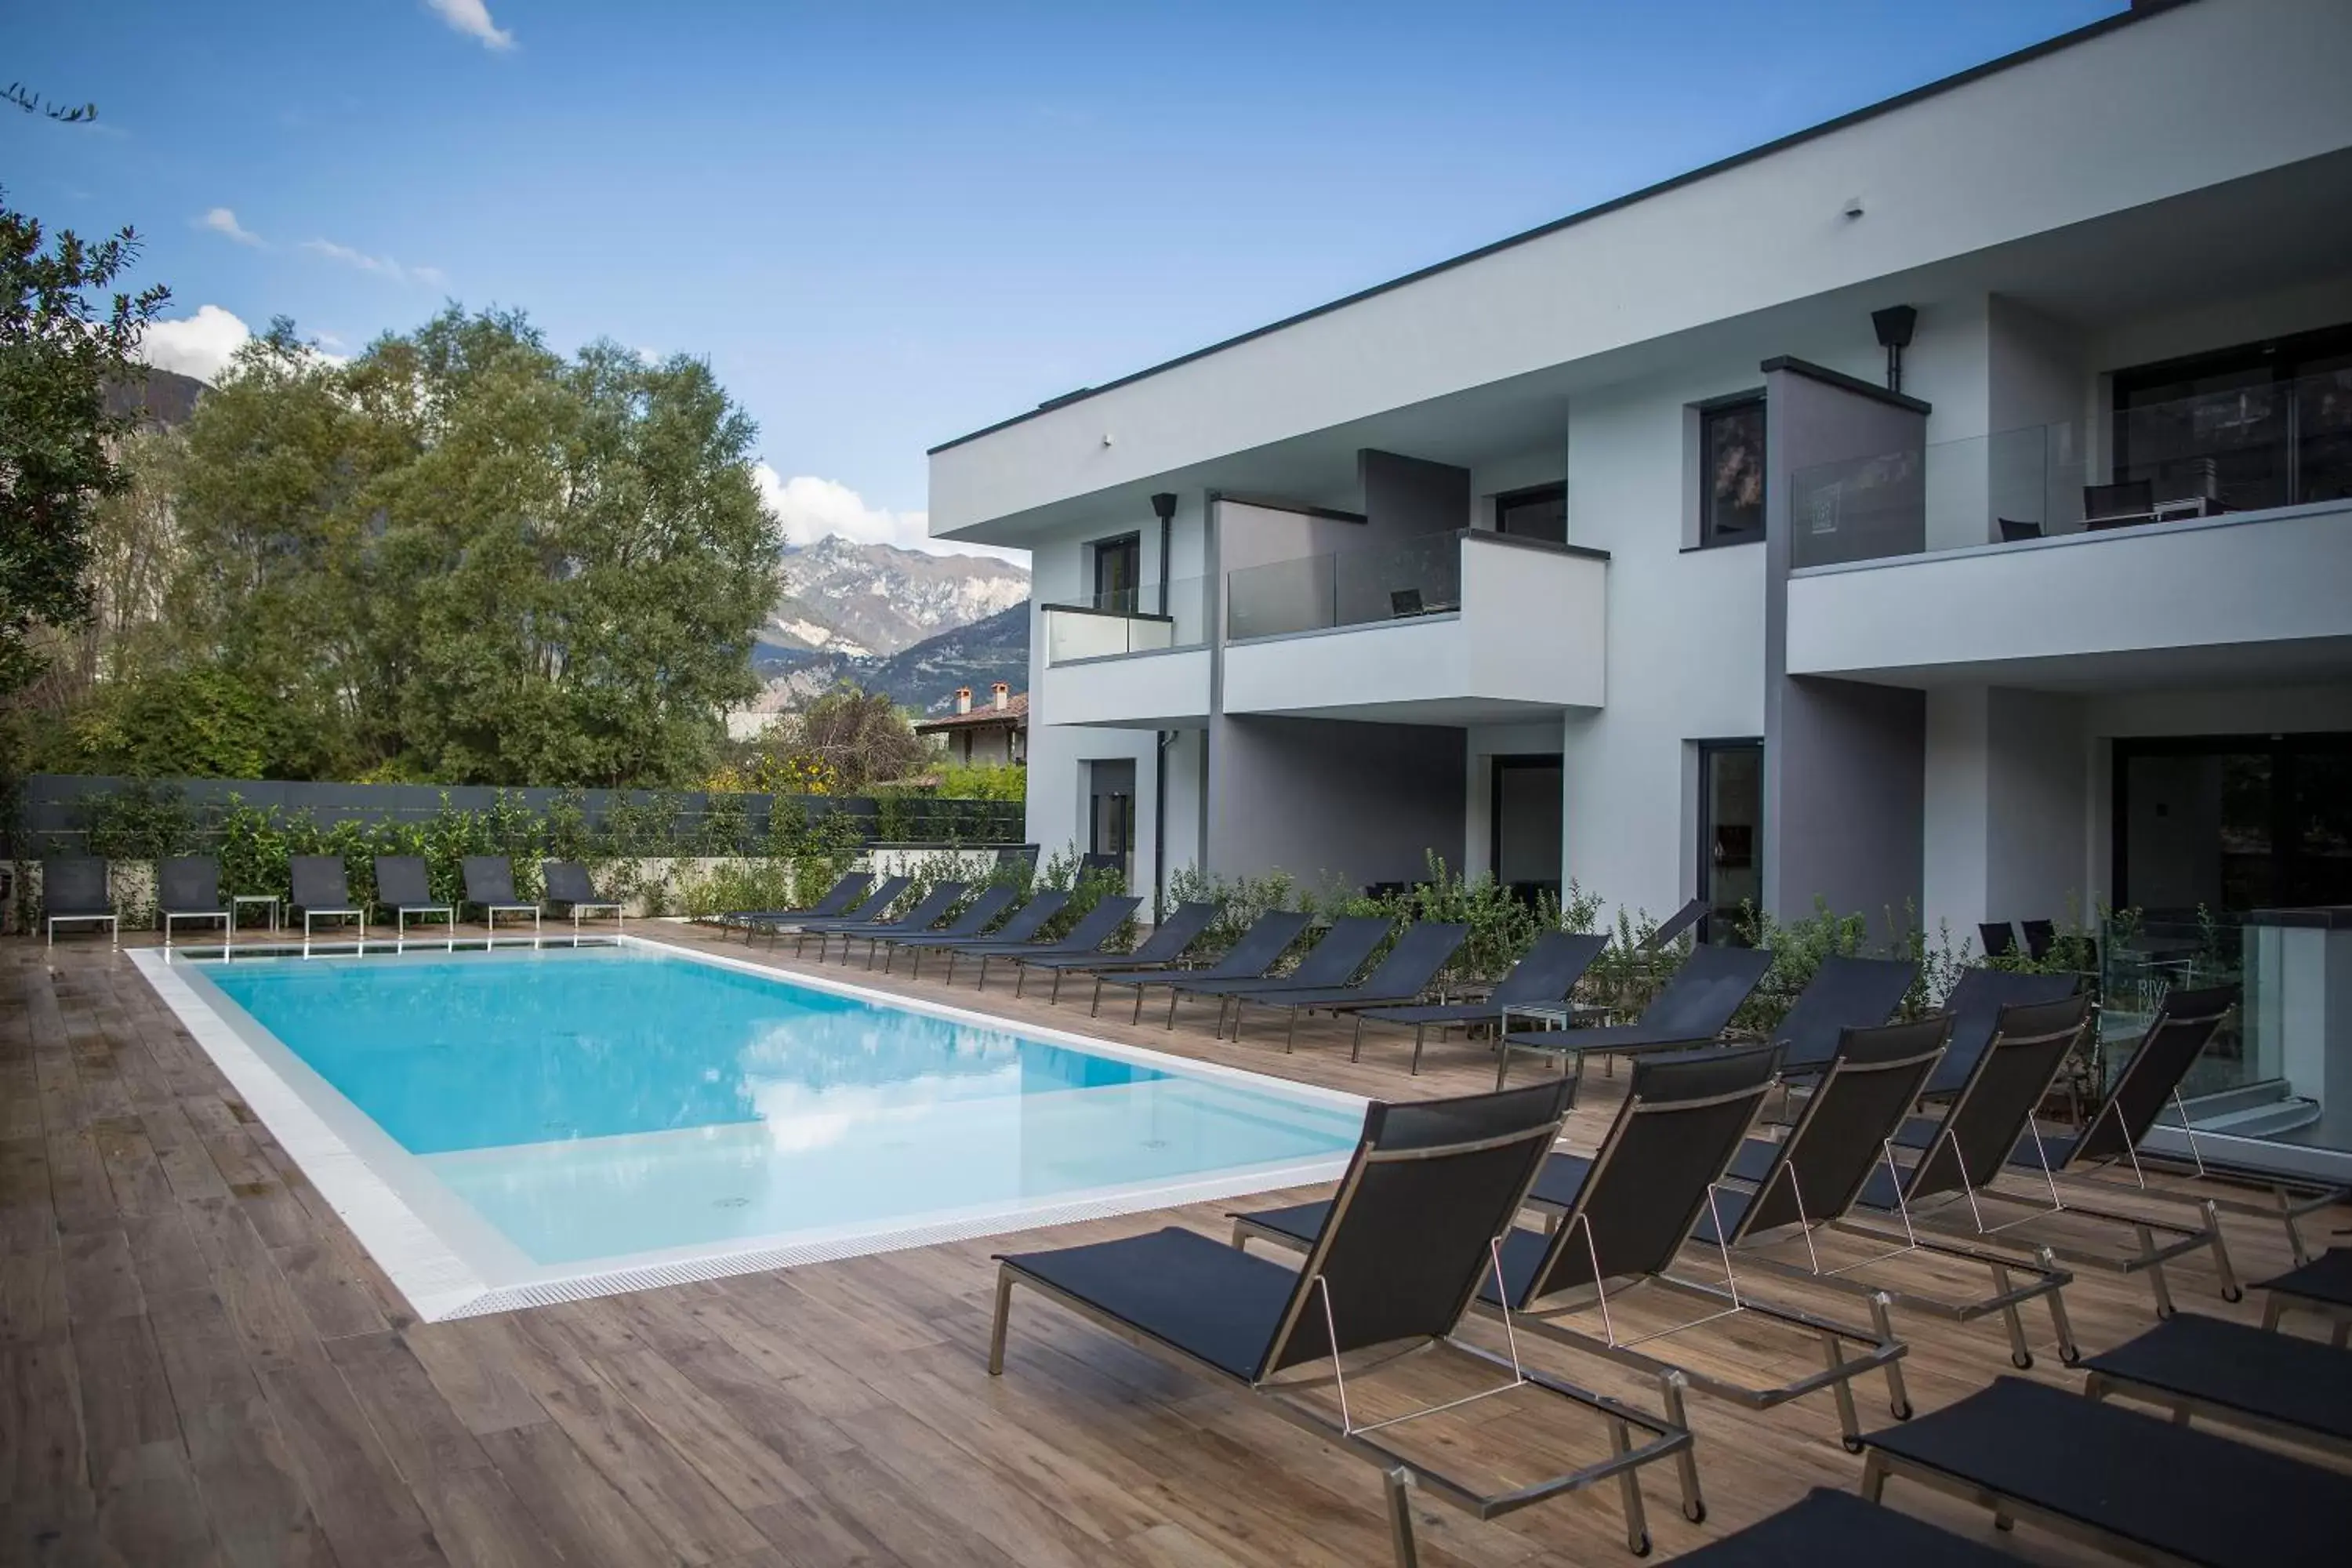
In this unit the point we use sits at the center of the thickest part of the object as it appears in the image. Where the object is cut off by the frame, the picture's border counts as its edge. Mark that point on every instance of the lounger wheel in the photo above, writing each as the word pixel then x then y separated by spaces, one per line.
pixel 1696 1510
pixel 1853 1444
pixel 1899 1408
pixel 2020 1359
pixel 2234 1293
pixel 1643 1550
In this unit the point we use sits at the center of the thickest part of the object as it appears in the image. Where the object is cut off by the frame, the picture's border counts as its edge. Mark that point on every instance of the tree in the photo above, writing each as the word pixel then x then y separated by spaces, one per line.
pixel 848 738
pixel 463 558
pixel 57 352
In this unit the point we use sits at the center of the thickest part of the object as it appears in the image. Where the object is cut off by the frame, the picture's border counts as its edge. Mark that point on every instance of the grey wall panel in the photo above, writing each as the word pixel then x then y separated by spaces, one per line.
pixel 1316 797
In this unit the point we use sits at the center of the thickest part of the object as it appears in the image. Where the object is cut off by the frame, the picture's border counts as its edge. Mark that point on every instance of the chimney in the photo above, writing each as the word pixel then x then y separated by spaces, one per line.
pixel 1001 695
pixel 963 699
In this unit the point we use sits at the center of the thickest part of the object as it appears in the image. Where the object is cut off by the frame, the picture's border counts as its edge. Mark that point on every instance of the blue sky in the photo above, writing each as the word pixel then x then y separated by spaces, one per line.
pixel 888 223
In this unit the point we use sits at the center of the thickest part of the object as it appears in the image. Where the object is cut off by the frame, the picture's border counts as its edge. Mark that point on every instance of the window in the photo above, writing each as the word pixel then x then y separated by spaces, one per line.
pixel 2230 823
pixel 1119 572
pixel 1537 513
pixel 1731 472
pixel 1730 832
pixel 1110 813
pixel 2260 425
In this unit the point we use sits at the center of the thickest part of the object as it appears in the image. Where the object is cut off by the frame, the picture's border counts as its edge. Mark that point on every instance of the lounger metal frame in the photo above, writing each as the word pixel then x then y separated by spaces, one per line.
pixel 2282 1302
pixel 1272 997
pixel 2047 1281
pixel 1668 1438
pixel 1880 1467
pixel 2183 1406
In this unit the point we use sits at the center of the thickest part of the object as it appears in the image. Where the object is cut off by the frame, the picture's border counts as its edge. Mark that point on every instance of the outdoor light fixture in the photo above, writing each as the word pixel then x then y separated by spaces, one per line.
pixel 1894 325
pixel 1163 507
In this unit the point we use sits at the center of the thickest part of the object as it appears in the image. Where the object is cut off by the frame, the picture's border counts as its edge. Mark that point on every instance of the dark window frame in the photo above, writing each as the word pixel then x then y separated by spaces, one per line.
pixel 1129 544
pixel 2272 361
pixel 2122 749
pixel 1704 824
pixel 1499 765
pixel 1709 536
pixel 1505 500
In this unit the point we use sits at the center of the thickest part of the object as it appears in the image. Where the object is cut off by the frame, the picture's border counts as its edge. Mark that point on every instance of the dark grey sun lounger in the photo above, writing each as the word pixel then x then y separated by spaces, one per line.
pixel 489 888
pixel 2322 1287
pixel 1937 1190
pixel 1332 961
pixel 1095 927
pixel 836 901
pixel 1651 1188
pixel 929 911
pixel 319 888
pixel 985 911
pixel 402 887
pixel 1674 925
pixel 1409 1239
pixel 2236 1374
pixel 2153 1490
pixel 567 883
pixel 187 887
pixel 1019 930
pixel 878 903
pixel 2107 1145
pixel 1257 949
pixel 1694 1007
pixel 1402 976
pixel 1169 940
pixel 1844 994
pixel 73 890
pixel 1839 1530
pixel 1975 1004
pixel 1545 974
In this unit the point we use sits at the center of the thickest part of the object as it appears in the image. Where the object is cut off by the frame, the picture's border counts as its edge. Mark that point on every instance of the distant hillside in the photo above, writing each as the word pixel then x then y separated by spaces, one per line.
pixel 876 600
pixel 163 397
pixel 923 678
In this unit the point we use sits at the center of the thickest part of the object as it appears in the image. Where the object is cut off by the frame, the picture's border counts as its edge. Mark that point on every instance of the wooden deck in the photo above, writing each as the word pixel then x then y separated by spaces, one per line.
pixel 198 1365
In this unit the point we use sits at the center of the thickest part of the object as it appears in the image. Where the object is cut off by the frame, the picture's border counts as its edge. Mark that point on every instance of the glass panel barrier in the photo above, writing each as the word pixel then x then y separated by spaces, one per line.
pixel 2277 444
pixel 2141 960
pixel 1129 620
pixel 1347 588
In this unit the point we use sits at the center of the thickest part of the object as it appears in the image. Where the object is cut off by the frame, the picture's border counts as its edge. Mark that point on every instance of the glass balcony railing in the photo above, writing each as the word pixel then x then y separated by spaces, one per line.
pixel 2280 443
pixel 1130 620
pixel 2140 959
pixel 1346 588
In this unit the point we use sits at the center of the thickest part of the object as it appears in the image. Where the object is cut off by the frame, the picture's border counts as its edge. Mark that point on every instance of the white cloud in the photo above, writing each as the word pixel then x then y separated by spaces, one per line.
pixel 472 17
pixel 198 345
pixel 810 509
pixel 202 345
pixel 382 265
pixel 223 222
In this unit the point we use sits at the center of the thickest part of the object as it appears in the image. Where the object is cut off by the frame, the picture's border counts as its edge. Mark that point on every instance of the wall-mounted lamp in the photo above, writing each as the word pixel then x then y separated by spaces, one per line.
pixel 1163 507
pixel 1894 326
pixel 1853 207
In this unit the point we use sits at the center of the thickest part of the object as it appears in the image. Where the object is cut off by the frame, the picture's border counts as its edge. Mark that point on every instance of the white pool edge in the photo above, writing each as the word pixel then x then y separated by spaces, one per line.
pixel 439 1284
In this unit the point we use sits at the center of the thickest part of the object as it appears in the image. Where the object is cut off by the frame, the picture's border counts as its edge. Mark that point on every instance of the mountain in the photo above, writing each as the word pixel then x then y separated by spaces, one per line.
pixel 872 601
pixel 923 677
pixel 162 397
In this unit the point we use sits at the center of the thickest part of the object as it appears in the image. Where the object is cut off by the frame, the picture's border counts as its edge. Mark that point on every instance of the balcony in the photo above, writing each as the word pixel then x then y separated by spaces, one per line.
pixel 2209 538
pixel 1457 627
pixel 1109 661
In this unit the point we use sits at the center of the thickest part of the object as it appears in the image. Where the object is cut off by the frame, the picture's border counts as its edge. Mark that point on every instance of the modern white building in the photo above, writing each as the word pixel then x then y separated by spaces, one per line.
pixel 1610 552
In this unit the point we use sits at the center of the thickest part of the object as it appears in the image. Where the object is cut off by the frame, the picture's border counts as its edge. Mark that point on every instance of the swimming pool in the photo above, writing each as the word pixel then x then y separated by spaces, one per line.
pixel 516 1126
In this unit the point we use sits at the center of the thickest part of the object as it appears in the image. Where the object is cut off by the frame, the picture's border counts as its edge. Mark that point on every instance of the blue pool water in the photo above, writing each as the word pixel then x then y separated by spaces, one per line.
pixel 595 1104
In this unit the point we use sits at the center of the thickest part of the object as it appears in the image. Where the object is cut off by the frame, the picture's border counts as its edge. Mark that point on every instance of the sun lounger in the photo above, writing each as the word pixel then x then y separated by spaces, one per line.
pixel 567 884
pixel 1095 927
pixel 1838 1529
pixel 187 887
pixel 402 887
pixel 74 890
pixel 1672 926
pixel 1257 949
pixel 1019 930
pixel 985 911
pixel 1936 1192
pixel 319 888
pixel 1844 994
pixel 1654 1186
pixel 878 901
pixel 1694 1007
pixel 1332 961
pixel 1975 1004
pixel 1411 1236
pixel 2322 1287
pixel 929 911
pixel 1408 970
pixel 1169 941
pixel 2150 1490
pixel 2234 1373
pixel 1545 975
pixel 836 901
pixel 2106 1149
pixel 489 888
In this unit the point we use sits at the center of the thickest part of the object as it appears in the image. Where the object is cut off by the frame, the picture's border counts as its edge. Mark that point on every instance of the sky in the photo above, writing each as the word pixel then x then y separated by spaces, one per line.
pixel 888 224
